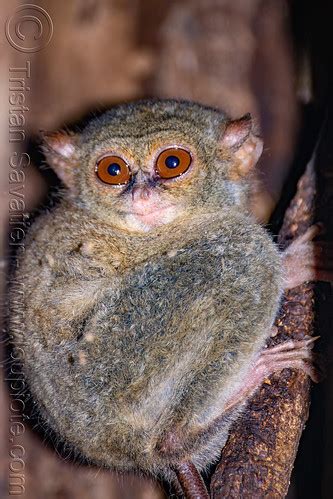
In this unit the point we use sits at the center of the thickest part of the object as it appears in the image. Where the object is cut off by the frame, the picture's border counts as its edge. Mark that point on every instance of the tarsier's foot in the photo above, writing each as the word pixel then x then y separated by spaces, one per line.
pixel 295 354
pixel 308 260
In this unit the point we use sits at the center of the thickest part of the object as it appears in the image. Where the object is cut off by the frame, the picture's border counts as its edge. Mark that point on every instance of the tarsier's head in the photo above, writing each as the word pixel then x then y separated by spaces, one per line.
pixel 142 165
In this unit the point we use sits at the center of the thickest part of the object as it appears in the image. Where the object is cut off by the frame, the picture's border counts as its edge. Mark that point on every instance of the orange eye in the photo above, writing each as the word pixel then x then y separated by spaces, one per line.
pixel 113 170
pixel 173 162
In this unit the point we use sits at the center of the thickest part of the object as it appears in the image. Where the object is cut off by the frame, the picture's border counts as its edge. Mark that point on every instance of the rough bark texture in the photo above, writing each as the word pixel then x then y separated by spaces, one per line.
pixel 258 458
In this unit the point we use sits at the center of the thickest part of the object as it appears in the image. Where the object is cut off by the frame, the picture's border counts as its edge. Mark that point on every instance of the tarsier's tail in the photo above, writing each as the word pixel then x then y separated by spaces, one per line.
pixel 191 481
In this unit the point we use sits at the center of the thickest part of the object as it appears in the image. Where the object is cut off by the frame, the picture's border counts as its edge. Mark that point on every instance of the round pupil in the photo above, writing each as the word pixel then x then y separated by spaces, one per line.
pixel 114 169
pixel 172 162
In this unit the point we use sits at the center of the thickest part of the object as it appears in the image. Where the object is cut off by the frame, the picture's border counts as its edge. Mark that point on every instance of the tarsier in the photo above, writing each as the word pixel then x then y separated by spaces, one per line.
pixel 151 290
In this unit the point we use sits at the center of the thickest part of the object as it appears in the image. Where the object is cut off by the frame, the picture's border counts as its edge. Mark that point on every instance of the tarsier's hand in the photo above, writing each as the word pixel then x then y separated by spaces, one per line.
pixel 308 260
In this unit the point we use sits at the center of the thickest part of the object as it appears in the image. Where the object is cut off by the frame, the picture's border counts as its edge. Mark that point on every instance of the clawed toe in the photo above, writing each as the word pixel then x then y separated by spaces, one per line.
pixel 296 354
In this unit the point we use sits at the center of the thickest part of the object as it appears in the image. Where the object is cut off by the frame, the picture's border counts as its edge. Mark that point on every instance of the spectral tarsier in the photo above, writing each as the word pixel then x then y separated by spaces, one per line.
pixel 151 290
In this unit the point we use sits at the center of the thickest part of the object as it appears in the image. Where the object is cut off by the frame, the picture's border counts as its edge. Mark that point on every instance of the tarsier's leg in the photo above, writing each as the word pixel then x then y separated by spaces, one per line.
pixel 308 260
pixel 290 354
pixel 295 354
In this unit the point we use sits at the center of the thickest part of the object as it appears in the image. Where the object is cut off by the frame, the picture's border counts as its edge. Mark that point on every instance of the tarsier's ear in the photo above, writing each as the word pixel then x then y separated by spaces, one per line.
pixel 60 149
pixel 245 146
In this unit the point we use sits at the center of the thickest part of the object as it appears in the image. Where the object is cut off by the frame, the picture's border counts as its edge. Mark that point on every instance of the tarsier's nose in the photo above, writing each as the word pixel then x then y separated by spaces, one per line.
pixel 142 186
pixel 141 191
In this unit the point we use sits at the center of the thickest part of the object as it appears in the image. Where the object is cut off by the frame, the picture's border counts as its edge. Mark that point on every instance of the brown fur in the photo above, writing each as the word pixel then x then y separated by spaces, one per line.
pixel 136 335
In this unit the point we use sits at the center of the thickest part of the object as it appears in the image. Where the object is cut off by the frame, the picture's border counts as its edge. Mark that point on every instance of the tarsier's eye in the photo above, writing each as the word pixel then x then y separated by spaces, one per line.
pixel 113 170
pixel 173 162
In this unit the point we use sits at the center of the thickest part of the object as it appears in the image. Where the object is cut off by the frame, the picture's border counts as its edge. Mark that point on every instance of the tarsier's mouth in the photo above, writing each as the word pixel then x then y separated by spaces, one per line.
pixel 152 211
pixel 148 206
pixel 152 215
